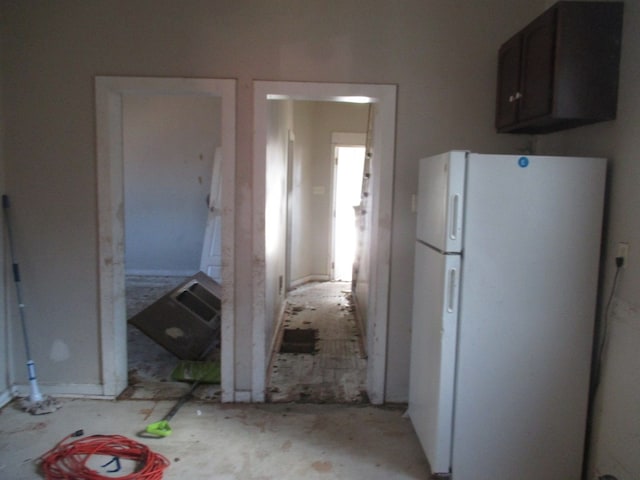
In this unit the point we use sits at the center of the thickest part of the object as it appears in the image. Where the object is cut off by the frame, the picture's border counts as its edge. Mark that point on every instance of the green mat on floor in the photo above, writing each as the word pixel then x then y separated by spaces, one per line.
pixel 195 371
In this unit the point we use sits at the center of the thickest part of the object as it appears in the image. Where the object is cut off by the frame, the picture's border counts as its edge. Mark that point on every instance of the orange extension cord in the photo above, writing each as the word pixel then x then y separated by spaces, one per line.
pixel 67 460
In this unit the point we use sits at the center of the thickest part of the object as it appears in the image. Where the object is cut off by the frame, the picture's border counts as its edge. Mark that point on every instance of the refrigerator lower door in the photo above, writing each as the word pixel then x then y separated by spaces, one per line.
pixel 433 353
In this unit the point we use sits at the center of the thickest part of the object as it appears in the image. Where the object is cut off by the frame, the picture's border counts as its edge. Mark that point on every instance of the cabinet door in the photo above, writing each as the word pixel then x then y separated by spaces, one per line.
pixel 565 71
pixel 508 82
pixel 538 44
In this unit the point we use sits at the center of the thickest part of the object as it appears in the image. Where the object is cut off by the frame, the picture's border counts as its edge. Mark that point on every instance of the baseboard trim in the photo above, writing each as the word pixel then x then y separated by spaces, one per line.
pixel 68 390
pixel 6 397
pixel 276 341
pixel 161 273
pixel 308 279
pixel 242 396
pixel 361 325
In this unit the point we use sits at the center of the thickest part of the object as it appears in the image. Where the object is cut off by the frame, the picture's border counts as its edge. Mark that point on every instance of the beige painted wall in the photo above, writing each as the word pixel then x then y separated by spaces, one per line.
pixel 301 199
pixel 441 54
pixel 280 121
pixel 616 422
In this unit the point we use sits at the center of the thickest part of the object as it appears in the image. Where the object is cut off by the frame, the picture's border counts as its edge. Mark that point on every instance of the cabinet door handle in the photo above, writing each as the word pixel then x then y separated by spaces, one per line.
pixel 514 97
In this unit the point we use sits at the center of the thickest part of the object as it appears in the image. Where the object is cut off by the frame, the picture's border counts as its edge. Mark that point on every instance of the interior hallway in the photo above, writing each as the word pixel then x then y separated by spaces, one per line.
pixel 336 371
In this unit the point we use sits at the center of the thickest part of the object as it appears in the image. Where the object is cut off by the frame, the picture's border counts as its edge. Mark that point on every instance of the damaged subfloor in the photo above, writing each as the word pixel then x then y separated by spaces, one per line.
pixel 335 371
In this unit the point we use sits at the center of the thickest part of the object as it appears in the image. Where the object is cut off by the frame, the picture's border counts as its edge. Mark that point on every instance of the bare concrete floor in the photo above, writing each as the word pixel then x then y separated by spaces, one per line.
pixel 230 442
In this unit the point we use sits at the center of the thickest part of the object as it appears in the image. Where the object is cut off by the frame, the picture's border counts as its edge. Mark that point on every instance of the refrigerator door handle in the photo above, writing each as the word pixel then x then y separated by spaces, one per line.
pixel 455 216
pixel 452 282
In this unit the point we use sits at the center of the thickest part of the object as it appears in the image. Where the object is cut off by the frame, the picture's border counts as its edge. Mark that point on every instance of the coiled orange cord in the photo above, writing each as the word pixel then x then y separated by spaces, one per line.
pixel 67 460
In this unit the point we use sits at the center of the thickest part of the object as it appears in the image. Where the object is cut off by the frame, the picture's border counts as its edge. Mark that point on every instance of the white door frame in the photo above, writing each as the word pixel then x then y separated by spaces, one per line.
pixel 110 178
pixel 384 96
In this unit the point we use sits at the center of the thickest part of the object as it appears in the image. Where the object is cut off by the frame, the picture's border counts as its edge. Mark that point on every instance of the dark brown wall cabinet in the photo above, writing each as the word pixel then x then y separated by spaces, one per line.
pixel 561 70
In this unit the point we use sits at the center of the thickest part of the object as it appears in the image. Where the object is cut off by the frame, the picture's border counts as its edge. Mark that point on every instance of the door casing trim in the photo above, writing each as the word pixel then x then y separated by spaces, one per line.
pixel 109 92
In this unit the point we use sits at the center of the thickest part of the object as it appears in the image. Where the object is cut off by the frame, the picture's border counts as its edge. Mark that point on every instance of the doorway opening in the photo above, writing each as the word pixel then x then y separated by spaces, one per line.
pixel 349 169
pixel 319 356
pixel 171 156
pixel 157 197
pixel 281 234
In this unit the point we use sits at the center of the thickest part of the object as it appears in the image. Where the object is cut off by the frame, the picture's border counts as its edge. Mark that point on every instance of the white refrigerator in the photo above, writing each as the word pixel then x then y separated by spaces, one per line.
pixel 506 273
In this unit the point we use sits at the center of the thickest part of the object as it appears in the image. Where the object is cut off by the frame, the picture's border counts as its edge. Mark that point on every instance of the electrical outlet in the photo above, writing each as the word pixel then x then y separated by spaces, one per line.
pixel 623 252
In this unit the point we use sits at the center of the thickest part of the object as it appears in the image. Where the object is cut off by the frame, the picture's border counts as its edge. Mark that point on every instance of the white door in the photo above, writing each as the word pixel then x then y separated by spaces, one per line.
pixel 433 353
pixel 211 259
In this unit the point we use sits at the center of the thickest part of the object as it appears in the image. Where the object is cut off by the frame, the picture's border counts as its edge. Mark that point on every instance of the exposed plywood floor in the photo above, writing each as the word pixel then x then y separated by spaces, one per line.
pixel 336 373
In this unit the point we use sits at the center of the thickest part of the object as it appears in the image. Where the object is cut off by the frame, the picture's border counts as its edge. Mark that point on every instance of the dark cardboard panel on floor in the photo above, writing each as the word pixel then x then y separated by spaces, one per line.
pixel 185 321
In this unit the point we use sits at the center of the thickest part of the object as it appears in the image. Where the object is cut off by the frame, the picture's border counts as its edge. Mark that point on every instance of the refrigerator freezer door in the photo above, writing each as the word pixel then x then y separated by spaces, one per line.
pixel 441 201
pixel 433 353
